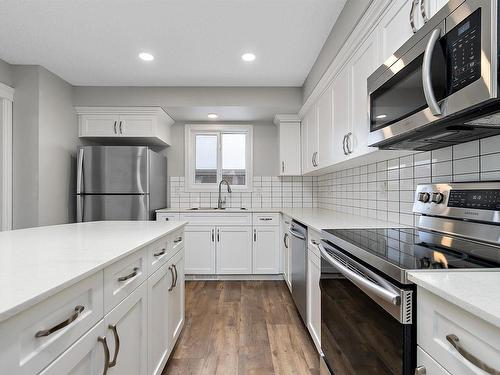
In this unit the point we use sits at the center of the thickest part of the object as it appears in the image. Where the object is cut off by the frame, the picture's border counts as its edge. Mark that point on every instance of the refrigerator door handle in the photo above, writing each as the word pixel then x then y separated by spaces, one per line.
pixel 79 173
pixel 80 199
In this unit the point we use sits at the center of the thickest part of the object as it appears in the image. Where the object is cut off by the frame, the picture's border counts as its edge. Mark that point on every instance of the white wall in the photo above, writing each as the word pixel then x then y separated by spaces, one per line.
pixel 349 17
pixel 44 146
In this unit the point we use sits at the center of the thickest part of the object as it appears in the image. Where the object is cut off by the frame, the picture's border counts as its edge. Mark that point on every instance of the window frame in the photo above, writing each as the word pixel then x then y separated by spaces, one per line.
pixel 192 130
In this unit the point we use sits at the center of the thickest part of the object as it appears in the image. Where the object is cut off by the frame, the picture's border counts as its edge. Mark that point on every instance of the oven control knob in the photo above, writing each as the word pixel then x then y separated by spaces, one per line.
pixel 424 197
pixel 437 198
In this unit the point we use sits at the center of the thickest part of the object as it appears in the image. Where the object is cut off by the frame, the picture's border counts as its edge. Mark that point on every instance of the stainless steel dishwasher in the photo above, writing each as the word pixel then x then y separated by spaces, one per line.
pixel 298 233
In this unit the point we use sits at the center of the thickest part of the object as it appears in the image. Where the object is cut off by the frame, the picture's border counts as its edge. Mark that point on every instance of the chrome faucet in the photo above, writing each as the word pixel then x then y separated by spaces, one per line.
pixel 220 202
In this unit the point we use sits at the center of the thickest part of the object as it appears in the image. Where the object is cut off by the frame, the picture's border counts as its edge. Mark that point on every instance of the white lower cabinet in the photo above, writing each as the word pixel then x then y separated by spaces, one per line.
pixel 234 250
pixel 85 357
pixel 314 298
pixel 176 299
pixel 266 256
pixel 129 321
pixel 200 249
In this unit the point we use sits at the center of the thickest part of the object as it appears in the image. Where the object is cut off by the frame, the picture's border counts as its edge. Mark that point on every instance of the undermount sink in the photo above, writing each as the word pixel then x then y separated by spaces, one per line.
pixel 216 209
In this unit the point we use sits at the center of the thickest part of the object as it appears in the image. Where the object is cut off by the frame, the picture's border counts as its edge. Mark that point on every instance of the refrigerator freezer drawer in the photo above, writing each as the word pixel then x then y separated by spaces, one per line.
pixel 112 207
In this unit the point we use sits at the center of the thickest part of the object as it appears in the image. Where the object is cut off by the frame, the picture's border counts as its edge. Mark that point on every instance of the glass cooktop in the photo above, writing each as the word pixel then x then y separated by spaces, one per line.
pixel 409 248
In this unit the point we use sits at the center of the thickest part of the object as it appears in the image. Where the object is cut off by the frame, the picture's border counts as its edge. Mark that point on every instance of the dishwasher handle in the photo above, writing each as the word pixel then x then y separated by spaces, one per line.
pixel 296 234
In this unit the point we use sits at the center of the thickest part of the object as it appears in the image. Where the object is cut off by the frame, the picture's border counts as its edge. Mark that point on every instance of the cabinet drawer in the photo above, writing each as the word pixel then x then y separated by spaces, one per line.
pixel 217 219
pixel 70 314
pixel 158 253
pixel 122 277
pixel 176 240
pixel 314 239
pixel 266 219
pixel 164 216
pixel 430 365
pixel 437 319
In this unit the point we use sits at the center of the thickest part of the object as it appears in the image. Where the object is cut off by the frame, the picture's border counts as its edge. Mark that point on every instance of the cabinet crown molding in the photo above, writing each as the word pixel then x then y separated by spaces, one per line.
pixel 285 118
pixel 156 111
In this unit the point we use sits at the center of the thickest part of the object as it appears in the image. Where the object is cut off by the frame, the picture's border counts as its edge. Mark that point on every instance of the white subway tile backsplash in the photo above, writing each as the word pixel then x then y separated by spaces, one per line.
pixel 466 150
pixel 490 162
pixel 465 166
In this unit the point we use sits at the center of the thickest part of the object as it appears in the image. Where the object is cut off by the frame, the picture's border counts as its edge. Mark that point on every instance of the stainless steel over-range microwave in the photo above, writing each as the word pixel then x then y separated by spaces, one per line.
pixel 441 87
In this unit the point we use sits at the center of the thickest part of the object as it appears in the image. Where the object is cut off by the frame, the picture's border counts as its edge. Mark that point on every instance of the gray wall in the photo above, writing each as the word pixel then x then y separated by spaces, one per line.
pixel 44 144
pixel 349 17
pixel 6 73
pixel 58 141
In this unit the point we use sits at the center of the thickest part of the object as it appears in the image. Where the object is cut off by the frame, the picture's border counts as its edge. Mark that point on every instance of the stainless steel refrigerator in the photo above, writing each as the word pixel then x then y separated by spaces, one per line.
pixel 120 183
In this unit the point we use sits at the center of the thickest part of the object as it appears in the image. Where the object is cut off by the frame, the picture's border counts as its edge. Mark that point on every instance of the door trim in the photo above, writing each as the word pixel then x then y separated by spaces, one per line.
pixel 6 102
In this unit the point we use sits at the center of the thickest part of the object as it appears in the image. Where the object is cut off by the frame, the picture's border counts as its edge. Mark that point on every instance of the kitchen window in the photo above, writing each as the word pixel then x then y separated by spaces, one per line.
pixel 214 152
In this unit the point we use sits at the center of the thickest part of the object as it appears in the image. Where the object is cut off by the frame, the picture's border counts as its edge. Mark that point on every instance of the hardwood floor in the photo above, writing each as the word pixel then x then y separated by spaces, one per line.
pixel 242 327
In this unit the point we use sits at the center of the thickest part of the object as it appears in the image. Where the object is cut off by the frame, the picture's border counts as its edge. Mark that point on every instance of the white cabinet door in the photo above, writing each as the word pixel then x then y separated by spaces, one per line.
pixel 306 165
pixel 84 357
pixel 364 62
pixel 159 285
pixel 137 125
pixel 99 125
pixel 176 299
pixel 266 258
pixel 130 319
pixel 290 159
pixel 325 126
pixel 314 298
pixel 313 138
pixel 200 249
pixel 234 250
pixel 341 114
pixel 395 28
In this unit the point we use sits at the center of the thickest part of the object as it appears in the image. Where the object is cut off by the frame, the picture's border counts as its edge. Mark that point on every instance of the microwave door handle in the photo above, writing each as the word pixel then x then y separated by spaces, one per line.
pixel 426 73
pixel 361 282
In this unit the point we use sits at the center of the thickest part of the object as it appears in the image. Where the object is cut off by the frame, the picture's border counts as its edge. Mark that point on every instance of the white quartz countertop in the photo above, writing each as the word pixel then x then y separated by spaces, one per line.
pixel 314 218
pixel 473 291
pixel 38 262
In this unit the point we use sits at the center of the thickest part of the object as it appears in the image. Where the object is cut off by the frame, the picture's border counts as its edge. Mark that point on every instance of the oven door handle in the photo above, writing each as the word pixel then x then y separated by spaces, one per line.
pixel 361 282
pixel 430 98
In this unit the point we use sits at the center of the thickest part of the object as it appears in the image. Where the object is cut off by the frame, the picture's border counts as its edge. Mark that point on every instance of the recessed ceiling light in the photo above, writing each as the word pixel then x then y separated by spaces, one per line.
pixel 248 57
pixel 213 115
pixel 381 116
pixel 146 56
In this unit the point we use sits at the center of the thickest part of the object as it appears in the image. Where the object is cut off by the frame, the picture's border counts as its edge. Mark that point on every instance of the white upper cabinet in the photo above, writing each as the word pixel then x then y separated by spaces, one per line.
pixel 341 114
pixel 324 115
pixel 125 124
pixel 310 141
pixel 364 62
pixel 289 144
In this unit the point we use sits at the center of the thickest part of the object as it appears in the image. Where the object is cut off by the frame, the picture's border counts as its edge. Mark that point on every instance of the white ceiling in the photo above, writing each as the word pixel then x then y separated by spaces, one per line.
pixel 195 42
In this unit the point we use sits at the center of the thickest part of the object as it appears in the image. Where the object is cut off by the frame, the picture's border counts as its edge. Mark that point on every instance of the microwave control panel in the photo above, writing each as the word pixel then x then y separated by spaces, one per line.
pixel 464 52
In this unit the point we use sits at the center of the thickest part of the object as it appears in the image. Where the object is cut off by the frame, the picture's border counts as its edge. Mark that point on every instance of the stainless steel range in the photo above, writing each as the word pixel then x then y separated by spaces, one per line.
pixel 367 302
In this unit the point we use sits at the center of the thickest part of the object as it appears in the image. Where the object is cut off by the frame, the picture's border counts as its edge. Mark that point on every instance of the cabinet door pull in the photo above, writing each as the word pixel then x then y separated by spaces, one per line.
pixel 348 142
pixel 176 275
pixel 282 167
pixel 178 239
pixel 102 340
pixel 423 11
pixel 121 128
pixel 173 277
pixel 285 240
pixel 76 313
pixel 218 235
pixel 255 235
pixel 114 127
pixel 130 275
pixel 112 327
pixel 455 342
pixel 414 4
pixel 213 235
pixel 343 144
pixel 159 253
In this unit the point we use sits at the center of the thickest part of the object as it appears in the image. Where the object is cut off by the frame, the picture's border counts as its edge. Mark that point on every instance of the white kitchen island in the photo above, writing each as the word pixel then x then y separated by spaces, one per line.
pixel 91 297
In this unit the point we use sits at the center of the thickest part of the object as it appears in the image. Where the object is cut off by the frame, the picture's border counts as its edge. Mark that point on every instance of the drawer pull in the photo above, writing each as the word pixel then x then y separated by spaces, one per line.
pixel 71 319
pixel 112 327
pixel 173 278
pixel 178 239
pixel 159 253
pixel 102 340
pixel 265 218
pixel 455 342
pixel 129 276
